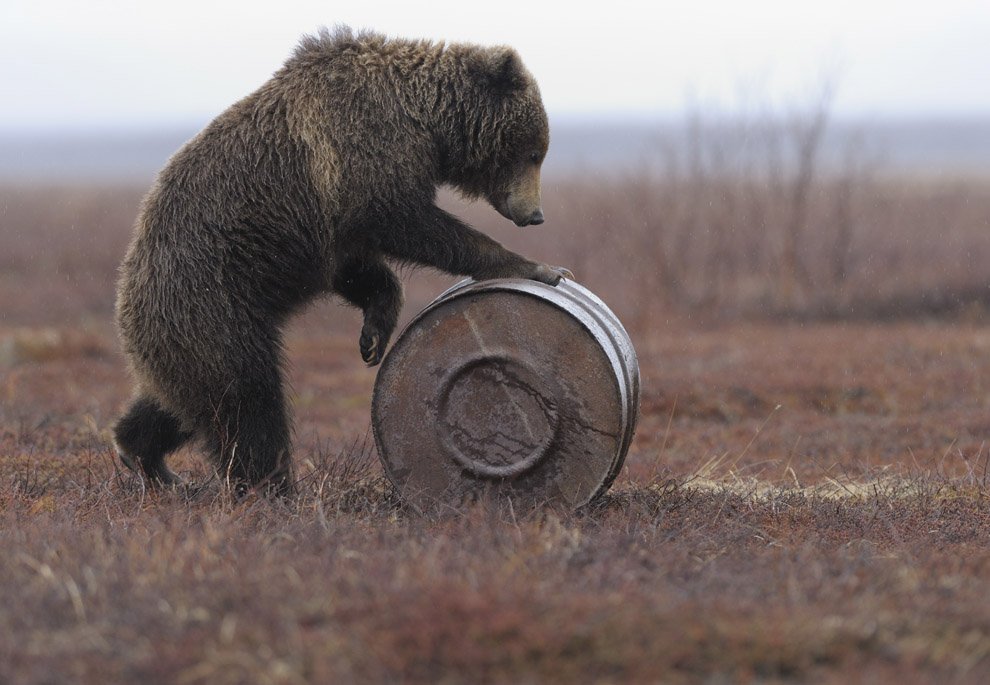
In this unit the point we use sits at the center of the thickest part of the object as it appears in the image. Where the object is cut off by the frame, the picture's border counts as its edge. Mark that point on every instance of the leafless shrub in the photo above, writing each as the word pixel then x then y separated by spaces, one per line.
pixel 752 214
pixel 746 216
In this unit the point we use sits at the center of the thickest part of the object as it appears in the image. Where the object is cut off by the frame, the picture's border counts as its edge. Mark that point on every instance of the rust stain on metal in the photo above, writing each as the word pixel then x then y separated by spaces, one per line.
pixel 511 388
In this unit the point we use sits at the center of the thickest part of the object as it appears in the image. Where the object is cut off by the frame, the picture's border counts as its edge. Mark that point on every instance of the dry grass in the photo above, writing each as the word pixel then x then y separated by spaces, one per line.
pixel 841 537
pixel 805 500
pixel 666 580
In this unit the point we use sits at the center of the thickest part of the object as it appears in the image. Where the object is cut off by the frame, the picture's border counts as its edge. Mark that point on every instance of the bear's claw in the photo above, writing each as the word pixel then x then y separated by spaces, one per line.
pixel 551 275
pixel 128 461
pixel 370 352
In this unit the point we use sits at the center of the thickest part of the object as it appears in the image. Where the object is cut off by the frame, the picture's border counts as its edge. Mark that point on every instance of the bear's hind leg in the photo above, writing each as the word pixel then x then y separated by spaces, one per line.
pixel 250 437
pixel 144 436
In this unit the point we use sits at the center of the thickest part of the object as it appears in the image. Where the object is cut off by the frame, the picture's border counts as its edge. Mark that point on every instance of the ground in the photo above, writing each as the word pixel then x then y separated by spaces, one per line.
pixel 802 501
pixel 799 502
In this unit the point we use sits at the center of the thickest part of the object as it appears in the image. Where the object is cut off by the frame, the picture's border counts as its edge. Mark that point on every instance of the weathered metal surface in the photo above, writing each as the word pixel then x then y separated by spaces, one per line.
pixel 510 388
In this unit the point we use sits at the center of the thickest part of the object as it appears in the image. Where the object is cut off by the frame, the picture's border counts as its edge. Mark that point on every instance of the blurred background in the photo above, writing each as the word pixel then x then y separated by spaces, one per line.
pixel 714 160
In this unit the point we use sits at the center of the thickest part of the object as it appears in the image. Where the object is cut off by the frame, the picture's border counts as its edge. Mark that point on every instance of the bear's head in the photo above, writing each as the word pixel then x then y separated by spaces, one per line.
pixel 508 135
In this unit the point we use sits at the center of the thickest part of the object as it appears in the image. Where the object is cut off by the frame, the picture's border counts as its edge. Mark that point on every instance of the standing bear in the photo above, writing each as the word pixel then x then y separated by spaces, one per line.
pixel 309 186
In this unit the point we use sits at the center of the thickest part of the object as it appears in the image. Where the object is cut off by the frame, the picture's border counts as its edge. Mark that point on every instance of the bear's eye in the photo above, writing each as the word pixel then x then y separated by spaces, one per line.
pixel 534 157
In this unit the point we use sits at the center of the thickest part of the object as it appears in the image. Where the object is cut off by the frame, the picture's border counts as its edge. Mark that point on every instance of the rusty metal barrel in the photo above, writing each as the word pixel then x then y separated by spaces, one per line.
pixel 507 388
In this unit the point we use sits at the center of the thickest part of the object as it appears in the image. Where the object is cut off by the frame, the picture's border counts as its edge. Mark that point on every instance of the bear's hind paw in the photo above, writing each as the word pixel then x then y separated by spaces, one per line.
pixel 158 476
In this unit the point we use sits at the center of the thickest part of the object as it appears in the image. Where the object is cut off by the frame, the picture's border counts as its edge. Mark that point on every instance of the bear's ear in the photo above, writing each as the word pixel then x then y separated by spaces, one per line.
pixel 499 69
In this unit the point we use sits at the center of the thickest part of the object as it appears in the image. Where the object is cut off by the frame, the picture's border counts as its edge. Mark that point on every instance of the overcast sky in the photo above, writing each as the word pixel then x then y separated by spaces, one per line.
pixel 110 64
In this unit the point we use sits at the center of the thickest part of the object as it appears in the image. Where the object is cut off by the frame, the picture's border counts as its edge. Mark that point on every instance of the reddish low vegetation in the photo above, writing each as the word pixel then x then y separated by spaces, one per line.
pixel 805 499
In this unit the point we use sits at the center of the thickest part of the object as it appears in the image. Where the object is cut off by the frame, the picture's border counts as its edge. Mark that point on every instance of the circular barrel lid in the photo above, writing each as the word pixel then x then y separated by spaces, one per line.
pixel 506 388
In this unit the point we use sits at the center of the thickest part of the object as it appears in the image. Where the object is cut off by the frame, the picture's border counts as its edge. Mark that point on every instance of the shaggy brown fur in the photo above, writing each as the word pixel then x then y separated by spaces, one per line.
pixel 305 187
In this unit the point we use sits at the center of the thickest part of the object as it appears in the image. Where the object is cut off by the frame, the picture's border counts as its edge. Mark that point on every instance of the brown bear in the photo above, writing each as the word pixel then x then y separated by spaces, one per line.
pixel 309 186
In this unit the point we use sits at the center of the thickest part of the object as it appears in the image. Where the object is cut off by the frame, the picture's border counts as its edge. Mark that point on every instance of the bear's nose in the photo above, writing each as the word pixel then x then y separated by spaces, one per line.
pixel 537 218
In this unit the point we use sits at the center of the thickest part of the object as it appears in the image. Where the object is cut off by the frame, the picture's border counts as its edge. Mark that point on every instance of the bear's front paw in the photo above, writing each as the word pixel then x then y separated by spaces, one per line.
pixel 372 347
pixel 551 275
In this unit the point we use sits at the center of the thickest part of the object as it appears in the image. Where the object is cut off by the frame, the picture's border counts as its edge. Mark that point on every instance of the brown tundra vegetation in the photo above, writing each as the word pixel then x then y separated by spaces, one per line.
pixel 806 498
